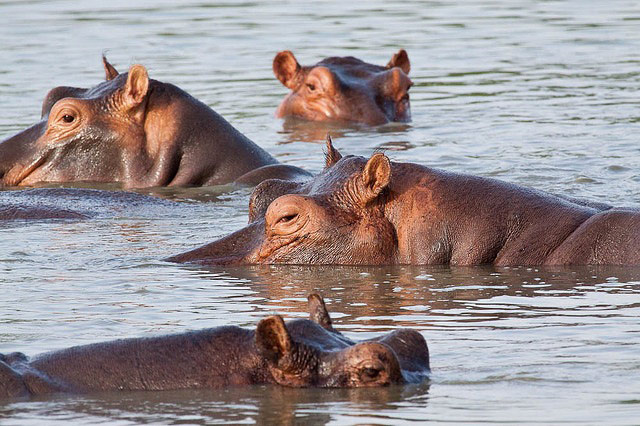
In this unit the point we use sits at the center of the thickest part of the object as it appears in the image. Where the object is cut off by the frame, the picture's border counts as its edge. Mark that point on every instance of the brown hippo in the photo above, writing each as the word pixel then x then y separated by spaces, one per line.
pixel 345 89
pixel 22 212
pixel 81 203
pixel 135 131
pixel 299 353
pixel 372 211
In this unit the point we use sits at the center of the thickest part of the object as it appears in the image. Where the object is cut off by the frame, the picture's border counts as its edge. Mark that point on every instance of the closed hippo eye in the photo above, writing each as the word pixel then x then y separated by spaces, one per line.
pixel 370 373
pixel 287 218
pixel 287 215
pixel 287 222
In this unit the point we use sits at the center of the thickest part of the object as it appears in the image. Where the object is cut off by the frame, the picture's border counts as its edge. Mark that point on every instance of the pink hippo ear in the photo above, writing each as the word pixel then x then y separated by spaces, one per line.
pixel 287 69
pixel 109 70
pixel 400 60
pixel 272 339
pixel 136 88
pixel 332 156
pixel 375 176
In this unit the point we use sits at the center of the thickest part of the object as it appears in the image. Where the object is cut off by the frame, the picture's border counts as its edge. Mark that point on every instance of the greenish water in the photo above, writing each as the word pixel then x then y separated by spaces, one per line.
pixel 540 93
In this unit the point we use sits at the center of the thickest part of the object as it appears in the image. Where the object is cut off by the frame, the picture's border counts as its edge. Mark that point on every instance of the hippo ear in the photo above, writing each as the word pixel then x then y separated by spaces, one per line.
pixel 287 69
pixel 332 156
pixel 318 311
pixel 109 70
pixel 137 86
pixel 375 176
pixel 400 60
pixel 272 338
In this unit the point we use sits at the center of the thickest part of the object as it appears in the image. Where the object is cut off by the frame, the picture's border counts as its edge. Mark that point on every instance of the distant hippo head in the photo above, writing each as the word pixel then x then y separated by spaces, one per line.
pixel 131 130
pixel 337 218
pixel 345 89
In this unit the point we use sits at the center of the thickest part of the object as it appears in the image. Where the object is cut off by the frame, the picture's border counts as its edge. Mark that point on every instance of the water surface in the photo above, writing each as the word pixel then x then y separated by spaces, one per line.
pixel 541 93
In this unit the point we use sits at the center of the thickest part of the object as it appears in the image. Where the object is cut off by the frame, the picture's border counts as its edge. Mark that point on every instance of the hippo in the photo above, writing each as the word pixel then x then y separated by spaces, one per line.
pixel 345 89
pixel 300 353
pixel 26 212
pixel 135 131
pixel 33 204
pixel 361 211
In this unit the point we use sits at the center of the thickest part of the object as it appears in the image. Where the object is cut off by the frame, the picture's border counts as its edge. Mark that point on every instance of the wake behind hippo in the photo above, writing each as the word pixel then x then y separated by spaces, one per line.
pixel 345 89
pixel 376 212
pixel 136 131
pixel 299 353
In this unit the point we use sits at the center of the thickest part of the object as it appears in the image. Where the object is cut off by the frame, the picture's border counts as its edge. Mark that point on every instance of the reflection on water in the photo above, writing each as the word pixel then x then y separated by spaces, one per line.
pixel 538 93
pixel 418 296
pixel 265 404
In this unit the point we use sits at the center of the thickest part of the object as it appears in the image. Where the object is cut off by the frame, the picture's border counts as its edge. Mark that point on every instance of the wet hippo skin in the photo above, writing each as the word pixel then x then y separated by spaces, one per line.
pixel 298 353
pixel 374 211
pixel 345 89
pixel 138 132
pixel 35 204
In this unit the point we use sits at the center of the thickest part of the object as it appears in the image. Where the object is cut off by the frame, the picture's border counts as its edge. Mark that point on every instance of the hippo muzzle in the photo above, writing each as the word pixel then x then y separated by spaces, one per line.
pixel 237 248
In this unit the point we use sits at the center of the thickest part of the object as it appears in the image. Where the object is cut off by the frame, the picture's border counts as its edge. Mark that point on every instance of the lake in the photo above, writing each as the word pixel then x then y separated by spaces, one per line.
pixel 539 93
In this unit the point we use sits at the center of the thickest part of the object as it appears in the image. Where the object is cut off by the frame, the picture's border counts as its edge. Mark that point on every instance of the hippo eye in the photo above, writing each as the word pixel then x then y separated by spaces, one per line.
pixel 370 373
pixel 287 218
pixel 67 118
pixel 311 87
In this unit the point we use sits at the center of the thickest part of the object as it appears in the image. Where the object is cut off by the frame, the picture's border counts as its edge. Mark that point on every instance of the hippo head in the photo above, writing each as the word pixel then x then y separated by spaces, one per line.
pixel 83 134
pixel 345 89
pixel 130 130
pixel 300 363
pixel 339 217
pixel 311 353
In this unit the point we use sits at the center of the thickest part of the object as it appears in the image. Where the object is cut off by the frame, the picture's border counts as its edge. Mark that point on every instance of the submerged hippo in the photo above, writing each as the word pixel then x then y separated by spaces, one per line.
pixel 136 131
pixel 345 89
pixel 374 211
pixel 299 353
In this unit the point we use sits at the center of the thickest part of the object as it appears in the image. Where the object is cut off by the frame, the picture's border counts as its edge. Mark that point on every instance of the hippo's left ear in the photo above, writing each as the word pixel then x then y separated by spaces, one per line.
pixel 375 176
pixel 137 86
pixel 318 311
pixel 400 60
pixel 272 339
pixel 332 156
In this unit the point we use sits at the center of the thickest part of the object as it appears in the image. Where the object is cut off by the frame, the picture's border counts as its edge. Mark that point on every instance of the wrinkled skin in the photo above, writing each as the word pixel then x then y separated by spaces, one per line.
pixel 300 353
pixel 345 89
pixel 135 131
pixel 375 212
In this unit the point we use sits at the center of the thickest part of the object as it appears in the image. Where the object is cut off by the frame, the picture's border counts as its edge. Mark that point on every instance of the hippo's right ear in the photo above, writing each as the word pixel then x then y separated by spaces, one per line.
pixel 287 69
pixel 109 70
pixel 272 339
pixel 400 60
pixel 375 176
pixel 136 87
